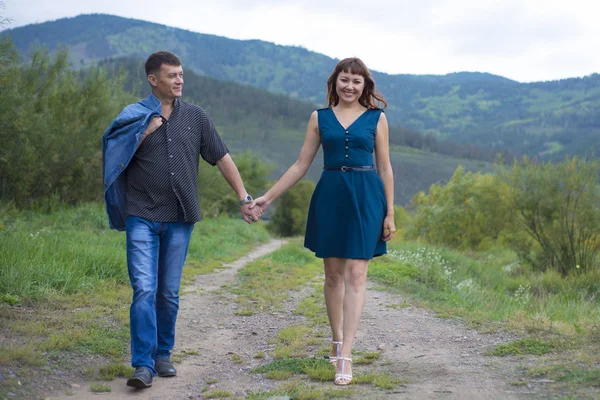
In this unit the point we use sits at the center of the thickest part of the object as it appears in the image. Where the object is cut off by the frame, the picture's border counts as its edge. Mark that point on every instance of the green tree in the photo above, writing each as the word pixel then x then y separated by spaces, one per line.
pixel 51 123
pixel 558 206
pixel 291 212
pixel 468 212
pixel 215 194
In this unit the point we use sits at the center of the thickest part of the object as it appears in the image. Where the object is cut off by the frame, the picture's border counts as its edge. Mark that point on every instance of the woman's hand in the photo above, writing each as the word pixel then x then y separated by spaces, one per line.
pixel 260 203
pixel 389 228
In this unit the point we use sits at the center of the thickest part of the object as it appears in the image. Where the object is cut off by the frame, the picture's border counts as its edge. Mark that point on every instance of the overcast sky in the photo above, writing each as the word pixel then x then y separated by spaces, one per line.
pixel 524 40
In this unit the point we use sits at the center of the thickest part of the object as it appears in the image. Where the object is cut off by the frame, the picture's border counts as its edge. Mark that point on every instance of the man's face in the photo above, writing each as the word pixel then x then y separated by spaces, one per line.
pixel 168 83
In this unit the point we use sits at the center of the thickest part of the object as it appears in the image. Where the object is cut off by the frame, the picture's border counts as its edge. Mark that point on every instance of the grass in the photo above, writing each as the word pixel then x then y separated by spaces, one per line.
pixel 279 375
pixel 556 317
pixel 236 359
pixel 266 283
pixel 73 250
pixel 491 289
pixel 525 346
pixel 379 380
pixel 575 373
pixel 182 355
pixel 100 388
pixel 217 394
pixel 24 355
pixel 295 389
pixel 366 358
pixel 115 370
pixel 64 284
pixel 294 365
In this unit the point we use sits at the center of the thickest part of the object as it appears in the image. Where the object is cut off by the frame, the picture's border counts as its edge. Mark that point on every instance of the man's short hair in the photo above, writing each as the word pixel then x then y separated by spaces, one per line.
pixel 156 60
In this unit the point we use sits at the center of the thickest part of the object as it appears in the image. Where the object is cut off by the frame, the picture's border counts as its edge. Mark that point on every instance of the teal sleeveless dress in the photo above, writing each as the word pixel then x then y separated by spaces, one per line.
pixel 347 209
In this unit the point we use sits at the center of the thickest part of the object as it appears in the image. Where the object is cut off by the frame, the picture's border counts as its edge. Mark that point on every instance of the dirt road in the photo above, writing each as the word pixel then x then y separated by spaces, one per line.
pixel 435 358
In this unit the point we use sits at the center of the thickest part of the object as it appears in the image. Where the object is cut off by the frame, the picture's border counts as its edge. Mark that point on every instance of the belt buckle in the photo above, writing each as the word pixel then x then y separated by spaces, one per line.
pixel 344 168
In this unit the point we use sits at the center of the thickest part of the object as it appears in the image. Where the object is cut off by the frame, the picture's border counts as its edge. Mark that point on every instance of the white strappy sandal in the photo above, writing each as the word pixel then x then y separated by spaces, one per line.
pixel 332 359
pixel 343 379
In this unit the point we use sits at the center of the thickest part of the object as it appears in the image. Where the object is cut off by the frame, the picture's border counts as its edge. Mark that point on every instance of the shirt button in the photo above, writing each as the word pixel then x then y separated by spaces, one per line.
pixel 169 139
pixel 170 155
pixel 172 173
pixel 346 147
pixel 347 132
pixel 346 140
pixel 122 166
pixel 346 155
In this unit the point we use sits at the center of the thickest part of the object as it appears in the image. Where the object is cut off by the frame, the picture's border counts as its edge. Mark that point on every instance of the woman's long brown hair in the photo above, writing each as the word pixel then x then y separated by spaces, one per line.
pixel 370 98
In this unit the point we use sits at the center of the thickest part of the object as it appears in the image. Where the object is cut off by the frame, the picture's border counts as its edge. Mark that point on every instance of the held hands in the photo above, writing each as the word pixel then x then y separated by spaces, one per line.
pixel 252 211
pixel 250 215
pixel 389 228
pixel 260 203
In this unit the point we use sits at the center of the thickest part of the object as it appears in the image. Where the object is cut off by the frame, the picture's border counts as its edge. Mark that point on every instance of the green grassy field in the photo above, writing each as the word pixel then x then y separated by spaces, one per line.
pixel 64 288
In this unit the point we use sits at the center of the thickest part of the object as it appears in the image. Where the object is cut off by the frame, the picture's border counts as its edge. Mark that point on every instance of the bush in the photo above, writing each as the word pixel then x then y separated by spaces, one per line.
pixel 215 194
pixel 558 207
pixel 402 221
pixel 291 212
pixel 51 122
pixel 469 211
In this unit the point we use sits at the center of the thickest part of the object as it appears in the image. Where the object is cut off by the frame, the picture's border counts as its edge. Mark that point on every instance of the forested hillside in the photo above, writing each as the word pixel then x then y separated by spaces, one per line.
pixel 547 119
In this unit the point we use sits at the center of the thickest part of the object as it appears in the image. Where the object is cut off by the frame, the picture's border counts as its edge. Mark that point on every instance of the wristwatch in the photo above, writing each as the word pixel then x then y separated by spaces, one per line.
pixel 246 200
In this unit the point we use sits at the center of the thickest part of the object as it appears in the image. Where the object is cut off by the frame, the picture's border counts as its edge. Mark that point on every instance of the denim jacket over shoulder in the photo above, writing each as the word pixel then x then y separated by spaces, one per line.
pixel 119 143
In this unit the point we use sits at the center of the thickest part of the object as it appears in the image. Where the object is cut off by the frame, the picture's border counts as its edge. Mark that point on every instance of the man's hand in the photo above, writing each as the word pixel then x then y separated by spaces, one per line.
pixel 155 123
pixel 251 215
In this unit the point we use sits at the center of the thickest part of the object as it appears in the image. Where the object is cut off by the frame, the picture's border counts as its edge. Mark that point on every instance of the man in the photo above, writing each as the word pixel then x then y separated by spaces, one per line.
pixel 150 170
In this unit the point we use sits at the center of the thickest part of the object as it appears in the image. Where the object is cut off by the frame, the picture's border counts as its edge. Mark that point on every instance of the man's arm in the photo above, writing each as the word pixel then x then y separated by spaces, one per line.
pixel 232 176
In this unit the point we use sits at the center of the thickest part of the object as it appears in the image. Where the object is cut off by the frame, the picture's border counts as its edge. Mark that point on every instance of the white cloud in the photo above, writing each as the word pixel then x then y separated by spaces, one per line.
pixel 525 40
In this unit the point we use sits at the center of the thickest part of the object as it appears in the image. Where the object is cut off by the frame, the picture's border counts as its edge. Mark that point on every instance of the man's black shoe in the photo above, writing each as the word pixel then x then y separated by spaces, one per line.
pixel 164 367
pixel 141 378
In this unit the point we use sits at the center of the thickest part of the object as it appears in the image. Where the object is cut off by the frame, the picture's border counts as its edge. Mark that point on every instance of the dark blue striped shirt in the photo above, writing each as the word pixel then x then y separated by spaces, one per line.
pixel 163 174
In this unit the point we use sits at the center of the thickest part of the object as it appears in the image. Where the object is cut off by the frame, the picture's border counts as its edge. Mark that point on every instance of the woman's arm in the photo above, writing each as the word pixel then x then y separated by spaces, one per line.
pixel 384 168
pixel 299 168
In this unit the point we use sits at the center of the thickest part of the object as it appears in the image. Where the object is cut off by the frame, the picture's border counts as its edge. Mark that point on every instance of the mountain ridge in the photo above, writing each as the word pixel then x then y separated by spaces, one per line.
pixel 547 118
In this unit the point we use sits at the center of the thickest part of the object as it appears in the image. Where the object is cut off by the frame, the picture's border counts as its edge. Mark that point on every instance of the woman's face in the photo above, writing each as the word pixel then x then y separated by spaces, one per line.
pixel 349 87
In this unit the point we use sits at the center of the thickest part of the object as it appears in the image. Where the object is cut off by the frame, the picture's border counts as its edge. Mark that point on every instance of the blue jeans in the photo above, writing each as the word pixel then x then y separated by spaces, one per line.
pixel 155 255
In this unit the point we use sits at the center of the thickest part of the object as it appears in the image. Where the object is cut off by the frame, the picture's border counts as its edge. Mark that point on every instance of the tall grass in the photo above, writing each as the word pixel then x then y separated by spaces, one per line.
pixel 73 249
pixel 492 288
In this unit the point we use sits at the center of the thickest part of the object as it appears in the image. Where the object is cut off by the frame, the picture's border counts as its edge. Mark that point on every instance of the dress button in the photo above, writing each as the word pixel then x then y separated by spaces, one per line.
pixel 347 132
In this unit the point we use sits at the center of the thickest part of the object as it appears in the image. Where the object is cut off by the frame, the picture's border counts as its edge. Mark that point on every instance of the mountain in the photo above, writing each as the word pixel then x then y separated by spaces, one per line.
pixel 547 119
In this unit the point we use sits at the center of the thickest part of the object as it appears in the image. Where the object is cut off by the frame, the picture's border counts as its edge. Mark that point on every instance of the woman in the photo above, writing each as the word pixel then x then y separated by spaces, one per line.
pixel 351 213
